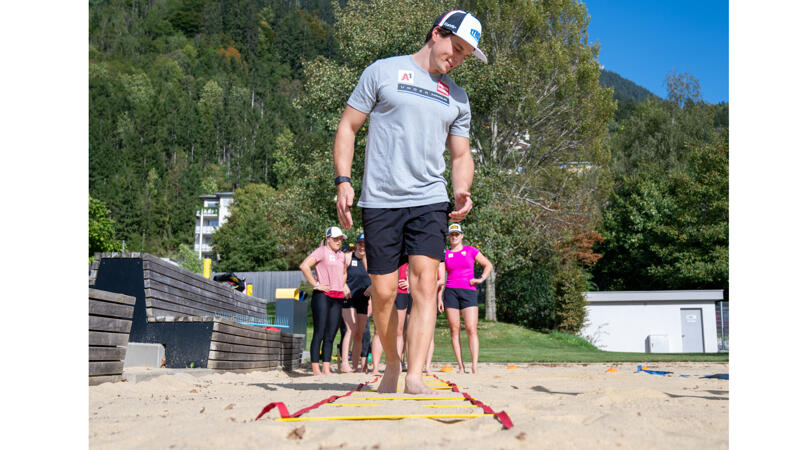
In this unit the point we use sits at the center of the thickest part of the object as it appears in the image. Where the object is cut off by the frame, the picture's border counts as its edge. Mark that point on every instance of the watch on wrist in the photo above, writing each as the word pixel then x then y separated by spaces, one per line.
pixel 340 179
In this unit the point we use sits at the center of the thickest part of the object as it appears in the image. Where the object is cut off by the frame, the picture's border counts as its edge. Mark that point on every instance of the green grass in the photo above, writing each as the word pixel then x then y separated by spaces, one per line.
pixel 503 342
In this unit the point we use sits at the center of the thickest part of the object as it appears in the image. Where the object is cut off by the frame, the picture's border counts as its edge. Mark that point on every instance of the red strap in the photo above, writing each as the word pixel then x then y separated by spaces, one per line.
pixel 285 411
pixel 501 416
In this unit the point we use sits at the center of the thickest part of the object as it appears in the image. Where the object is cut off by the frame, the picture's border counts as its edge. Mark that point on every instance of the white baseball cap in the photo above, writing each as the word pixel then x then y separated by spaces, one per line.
pixel 334 232
pixel 464 25
pixel 454 228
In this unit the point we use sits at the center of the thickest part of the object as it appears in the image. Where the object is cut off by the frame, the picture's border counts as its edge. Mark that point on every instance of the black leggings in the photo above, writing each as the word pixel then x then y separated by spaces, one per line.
pixel 326 313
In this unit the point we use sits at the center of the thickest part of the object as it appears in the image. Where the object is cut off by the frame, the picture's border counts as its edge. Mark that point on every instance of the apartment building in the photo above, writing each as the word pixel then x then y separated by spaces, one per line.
pixel 215 211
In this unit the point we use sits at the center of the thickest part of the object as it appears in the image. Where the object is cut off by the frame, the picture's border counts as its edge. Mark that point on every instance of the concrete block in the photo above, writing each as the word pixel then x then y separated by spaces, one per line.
pixel 140 354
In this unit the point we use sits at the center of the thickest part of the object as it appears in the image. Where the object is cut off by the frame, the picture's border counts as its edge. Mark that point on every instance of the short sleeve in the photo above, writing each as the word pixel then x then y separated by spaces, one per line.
pixel 460 126
pixel 319 254
pixel 365 95
pixel 474 252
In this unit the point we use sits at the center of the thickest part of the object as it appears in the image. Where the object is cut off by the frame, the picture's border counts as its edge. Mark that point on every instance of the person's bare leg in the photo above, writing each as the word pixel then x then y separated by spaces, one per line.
pixel 377 352
pixel 422 286
pixel 384 291
pixel 454 320
pixel 349 316
pixel 358 333
pixel 428 370
pixel 471 324
pixel 401 322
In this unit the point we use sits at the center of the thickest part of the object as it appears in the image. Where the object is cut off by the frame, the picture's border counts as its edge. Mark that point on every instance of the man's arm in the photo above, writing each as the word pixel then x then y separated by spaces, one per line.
pixel 462 173
pixel 343 148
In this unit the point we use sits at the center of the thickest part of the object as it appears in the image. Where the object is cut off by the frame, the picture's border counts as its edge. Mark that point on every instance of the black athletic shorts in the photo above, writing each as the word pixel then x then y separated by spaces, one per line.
pixel 361 304
pixel 391 234
pixel 403 301
pixel 460 298
pixel 347 303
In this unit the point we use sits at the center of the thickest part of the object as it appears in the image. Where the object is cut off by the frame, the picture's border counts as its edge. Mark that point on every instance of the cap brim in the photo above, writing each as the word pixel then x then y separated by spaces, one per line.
pixel 479 54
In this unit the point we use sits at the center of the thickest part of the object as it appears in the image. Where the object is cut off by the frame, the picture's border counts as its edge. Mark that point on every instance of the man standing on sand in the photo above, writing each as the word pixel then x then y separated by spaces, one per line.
pixel 414 109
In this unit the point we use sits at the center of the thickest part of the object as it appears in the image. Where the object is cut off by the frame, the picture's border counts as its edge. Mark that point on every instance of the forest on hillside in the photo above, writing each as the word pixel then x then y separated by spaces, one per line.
pixel 192 97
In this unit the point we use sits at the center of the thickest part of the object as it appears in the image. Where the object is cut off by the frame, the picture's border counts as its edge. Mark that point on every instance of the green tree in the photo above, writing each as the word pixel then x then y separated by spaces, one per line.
pixel 267 229
pixel 101 229
pixel 669 232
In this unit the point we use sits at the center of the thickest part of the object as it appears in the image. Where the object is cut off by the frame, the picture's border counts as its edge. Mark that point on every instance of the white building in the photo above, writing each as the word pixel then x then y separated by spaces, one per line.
pixel 653 321
pixel 215 211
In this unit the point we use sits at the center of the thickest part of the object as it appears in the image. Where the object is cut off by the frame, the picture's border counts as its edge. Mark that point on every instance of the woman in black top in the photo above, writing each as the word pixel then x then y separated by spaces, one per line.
pixel 359 283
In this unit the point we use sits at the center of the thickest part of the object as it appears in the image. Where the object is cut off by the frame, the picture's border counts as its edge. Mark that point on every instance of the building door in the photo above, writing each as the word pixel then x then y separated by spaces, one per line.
pixel 692 330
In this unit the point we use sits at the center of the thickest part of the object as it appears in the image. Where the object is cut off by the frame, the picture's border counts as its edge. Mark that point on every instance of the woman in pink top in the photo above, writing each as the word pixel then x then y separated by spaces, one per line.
pixel 460 294
pixel 330 289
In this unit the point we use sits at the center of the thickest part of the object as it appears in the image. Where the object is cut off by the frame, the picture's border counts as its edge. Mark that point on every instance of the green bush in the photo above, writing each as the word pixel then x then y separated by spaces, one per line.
pixel 570 305
pixel 537 298
pixel 526 297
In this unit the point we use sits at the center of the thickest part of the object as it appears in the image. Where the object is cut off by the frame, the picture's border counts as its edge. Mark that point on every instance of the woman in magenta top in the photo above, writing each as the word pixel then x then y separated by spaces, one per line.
pixel 460 294
pixel 330 288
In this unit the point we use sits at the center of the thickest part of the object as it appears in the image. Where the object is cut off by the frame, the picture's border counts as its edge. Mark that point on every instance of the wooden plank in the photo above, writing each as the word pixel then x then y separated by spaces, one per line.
pixel 187 306
pixel 103 338
pixel 112 297
pixel 233 339
pixel 230 356
pixel 156 265
pixel 107 353
pixel 239 364
pixel 186 277
pixel 105 367
pixel 179 289
pixel 162 315
pixel 99 379
pixel 99 308
pixel 233 323
pixel 109 324
pixel 239 348
pixel 195 301
pixel 255 369
pixel 177 308
pixel 239 331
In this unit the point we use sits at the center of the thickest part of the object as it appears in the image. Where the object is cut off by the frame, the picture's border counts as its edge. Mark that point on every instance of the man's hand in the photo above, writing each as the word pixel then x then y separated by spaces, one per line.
pixel 344 200
pixel 403 284
pixel 462 207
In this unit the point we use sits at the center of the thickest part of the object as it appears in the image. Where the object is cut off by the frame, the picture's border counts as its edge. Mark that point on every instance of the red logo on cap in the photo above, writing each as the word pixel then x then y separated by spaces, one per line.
pixel 442 88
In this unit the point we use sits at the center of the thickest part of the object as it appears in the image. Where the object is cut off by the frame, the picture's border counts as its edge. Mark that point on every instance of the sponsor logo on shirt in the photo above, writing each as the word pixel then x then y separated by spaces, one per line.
pixel 354 263
pixel 449 255
pixel 442 88
pixel 464 253
pixel 405 76
pixel 424 93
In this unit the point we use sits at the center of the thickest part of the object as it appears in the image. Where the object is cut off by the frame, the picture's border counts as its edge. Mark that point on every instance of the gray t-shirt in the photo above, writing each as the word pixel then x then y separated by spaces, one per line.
pixel 411 112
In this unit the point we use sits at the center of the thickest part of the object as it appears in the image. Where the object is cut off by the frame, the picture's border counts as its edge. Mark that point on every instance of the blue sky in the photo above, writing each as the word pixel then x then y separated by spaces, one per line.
pixel 645 40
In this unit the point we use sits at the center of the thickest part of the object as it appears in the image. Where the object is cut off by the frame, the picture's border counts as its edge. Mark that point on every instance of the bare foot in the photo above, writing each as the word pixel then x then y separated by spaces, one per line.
pixel 415 385
pixel 326 368
pixel 389 380
pixel 475 368
pixel 345 369
pixel 460 369
pixel 315 369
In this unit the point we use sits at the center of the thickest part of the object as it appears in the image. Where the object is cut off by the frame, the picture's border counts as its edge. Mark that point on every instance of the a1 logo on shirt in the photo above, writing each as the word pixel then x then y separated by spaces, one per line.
pixel 405 76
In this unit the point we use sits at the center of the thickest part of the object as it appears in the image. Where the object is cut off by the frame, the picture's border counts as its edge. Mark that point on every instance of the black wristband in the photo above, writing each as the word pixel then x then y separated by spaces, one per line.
pixel 341 179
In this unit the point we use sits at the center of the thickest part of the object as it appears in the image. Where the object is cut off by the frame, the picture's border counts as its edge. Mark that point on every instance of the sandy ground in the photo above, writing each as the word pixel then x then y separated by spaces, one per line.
pixel 552 406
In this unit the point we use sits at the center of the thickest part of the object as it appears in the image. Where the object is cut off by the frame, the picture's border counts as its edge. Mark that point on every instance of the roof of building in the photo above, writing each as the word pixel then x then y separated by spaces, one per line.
pixel 655 296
